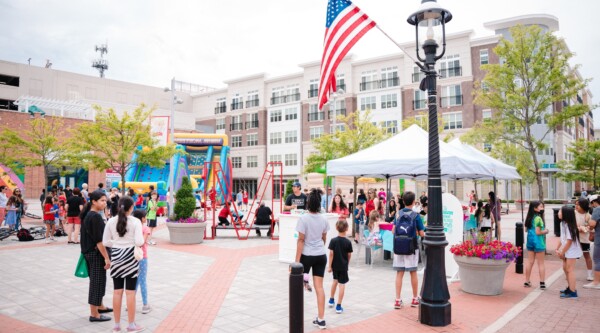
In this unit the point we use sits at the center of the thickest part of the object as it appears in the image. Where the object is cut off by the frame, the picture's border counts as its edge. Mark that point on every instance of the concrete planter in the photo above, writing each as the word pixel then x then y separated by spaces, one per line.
pixel 481 277
pixel 186 233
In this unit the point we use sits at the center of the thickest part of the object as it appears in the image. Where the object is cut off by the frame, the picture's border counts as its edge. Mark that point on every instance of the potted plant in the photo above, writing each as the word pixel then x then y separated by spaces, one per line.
pixel 184 227
pixel 482 263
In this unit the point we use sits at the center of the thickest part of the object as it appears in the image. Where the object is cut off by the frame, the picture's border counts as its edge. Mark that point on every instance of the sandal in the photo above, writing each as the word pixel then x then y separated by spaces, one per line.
pixel 543 285
pixel 527 284
pixel 307 286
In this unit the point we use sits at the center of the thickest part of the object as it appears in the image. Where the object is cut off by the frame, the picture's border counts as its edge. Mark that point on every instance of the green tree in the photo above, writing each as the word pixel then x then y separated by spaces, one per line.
pixel 110 141
pixel 40 143
pixel 585 165
pixel 534 75
pixel 186 203
pixel 423 122
pixel 288 188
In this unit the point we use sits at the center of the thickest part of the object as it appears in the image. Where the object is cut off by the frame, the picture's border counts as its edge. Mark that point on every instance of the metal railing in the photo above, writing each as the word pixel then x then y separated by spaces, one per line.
pixel 313 93
pixel 236 126
pixel 285 99
pixel 252 124
pixel 417 77
pixel 419 104
pixel 237 106
pixel 338 112
pixel 451 101
pixel 451 72
pixel 220 109
pixel 251 103
pixel 315 116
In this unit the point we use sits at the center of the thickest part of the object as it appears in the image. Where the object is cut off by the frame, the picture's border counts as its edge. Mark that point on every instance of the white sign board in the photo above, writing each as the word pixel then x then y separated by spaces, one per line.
pixel 160 129
pixel 452 215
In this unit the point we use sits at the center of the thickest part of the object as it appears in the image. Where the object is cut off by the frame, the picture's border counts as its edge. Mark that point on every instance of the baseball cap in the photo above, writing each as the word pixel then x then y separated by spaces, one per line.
pixel 297 184
pixel 594 198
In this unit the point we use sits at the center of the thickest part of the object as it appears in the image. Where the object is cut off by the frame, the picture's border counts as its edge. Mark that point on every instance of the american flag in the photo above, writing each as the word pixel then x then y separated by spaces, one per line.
pixel 346 24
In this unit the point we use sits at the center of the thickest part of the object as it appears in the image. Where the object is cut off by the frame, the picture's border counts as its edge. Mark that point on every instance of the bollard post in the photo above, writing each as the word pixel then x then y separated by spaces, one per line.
pixel 519 240
pixel 296 298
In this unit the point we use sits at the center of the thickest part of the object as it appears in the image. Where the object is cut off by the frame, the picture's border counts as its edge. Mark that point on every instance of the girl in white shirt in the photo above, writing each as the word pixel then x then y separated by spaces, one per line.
pixel 123 233
pixel 569 249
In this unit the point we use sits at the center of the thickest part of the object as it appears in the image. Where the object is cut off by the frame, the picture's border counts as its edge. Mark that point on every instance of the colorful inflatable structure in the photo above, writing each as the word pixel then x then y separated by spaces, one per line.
pixel 9 178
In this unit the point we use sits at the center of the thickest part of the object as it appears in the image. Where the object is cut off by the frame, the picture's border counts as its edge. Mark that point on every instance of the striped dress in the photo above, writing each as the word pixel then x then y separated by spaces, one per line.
pixel 123 262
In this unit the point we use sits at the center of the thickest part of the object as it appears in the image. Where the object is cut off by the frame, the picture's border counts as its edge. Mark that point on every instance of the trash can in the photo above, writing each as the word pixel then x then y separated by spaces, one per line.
pixel 556 222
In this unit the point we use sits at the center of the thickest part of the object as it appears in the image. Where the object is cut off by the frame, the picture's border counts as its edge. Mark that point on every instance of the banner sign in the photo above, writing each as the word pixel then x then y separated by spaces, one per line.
pixel 160 129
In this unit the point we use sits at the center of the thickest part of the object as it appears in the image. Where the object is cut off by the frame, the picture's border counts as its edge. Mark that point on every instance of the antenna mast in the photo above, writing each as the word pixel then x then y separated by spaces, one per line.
pixel 101 64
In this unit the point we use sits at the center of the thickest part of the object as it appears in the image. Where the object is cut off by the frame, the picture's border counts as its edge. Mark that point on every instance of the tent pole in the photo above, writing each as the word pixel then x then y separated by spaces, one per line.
pixel 496 205
pixel 522 202
pixel 388 185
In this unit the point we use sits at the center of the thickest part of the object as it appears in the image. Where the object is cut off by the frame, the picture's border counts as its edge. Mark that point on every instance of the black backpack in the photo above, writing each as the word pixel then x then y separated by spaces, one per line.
pixel 24 236
pixel 405 242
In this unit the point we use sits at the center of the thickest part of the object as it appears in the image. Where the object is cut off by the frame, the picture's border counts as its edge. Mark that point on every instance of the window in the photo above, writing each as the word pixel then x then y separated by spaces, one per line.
pixel 485 87
pixel 236 162
pixel 275 138
pixel 339 128
pixel 486 115
pixel 237 102
pixel 291 136
pixel 484 58
pixel 313 88
pixel 275 158
pixel 314 114
pixel 487 147
pixel 275 116
pixel 236 141
pixel 236 123
pixel 452 120
pixel 450 66
pixel 420 119
pixel 252 161
pixel 340 83
pixel 221 124
pixel 221 106
pixel 368 103
pixel 451 96
pixel 9 80
pixel 252 99
pixel 291 114
pixel 389 101
pixel 389 77
pixel 252 121
pixel 287 94
pixel 291 159
pixel 316 132
pixel 420 101
pixel 252 139
pixel 417 75
pixel 390 126
pixel 368 80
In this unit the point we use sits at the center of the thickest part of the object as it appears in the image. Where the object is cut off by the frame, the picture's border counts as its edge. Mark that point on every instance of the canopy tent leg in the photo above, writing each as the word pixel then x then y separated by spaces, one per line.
pixel 495 203
pixel 522 202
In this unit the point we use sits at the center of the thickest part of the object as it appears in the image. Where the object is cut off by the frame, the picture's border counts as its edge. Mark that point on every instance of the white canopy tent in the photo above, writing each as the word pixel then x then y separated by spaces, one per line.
pixel 500 169
pixel 406 155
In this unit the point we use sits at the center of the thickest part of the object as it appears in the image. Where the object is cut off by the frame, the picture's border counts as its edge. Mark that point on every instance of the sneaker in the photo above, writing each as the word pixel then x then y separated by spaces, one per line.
pixel 116 330
pixel 135 329
pixel 152 242
pixel 319 323
pixel 146 309
pixel 566 290
pixel 591 286
pixel 571 294
pixel 543 285
pixel 331 302
pixel 590 278
pixel 47 241
pixel 415 302
pixel 53 239
pixel 339 309
pixel 398 304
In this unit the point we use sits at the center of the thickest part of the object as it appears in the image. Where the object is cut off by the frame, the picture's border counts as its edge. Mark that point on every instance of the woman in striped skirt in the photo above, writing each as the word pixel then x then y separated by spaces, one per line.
pixel 123 233
pixel 96 255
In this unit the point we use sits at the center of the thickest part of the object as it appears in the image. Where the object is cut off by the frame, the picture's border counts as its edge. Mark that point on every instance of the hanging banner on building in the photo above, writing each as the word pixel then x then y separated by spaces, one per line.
pixel 160 129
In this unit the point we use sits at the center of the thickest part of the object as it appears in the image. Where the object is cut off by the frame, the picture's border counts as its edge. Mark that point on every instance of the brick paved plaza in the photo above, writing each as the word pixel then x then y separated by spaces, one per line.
pixel 227 285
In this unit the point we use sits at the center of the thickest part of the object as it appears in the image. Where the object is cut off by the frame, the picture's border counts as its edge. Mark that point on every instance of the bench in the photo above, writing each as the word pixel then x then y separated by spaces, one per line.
pixel 231 227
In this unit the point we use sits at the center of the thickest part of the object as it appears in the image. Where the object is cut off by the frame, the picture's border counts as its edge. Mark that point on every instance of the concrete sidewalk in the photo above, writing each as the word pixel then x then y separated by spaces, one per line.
pixel 227 285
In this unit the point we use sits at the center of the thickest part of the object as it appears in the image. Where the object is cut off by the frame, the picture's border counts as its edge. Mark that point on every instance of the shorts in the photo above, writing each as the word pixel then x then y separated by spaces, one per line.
pixel 317 263
pixel 532 248
pixel 152 223
pixel 49 222
pixel 406 262
pixel 485 229
pixel 129 283
pixel 341 276
pixel 73 219
pixel 585 247
pixel 239 203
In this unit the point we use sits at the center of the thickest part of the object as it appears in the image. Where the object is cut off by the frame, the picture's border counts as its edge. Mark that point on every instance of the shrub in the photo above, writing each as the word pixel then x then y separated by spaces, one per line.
pixel 288 188
pixel 186 203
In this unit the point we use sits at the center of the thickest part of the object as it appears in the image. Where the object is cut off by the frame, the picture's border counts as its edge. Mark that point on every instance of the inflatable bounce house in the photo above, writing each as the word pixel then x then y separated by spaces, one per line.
pixel 201 150
pixel 9 179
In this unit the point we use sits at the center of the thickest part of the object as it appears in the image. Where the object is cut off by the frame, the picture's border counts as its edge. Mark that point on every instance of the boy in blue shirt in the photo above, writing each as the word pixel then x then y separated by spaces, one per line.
pixel 359 219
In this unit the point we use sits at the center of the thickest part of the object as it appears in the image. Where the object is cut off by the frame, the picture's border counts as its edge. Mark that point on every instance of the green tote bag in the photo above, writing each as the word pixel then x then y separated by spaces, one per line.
pixel 81 270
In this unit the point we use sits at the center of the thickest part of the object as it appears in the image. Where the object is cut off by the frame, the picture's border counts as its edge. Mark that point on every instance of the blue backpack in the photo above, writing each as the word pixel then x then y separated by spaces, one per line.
pixel 405 242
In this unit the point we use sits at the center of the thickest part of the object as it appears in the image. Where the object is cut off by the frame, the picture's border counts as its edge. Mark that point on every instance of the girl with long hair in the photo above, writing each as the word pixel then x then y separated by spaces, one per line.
pixel 11 213
pixel 49 218
pixel 583 217
pixel 122 234
pixel 536 243
pixel 392 209
pixel 486 219
pixel 338 206
pixel 312 234
pixel 569 249
pixel 140 214
pixel 95 254
pixel 495 207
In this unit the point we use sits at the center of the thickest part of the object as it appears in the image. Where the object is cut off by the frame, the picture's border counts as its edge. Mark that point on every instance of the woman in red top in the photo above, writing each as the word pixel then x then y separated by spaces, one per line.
pixel 372 202
pixel 49 219
pixel 224 213
pixel 245 199
pixel 339 207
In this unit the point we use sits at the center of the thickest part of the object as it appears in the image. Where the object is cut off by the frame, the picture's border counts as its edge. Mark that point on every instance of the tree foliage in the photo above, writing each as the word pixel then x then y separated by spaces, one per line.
pixel 534 75
pixel 186 203
pixel 423 122
pixel 359 133
pixel 38 144
pixel 288 188
pixel 585 165
pixel 110 141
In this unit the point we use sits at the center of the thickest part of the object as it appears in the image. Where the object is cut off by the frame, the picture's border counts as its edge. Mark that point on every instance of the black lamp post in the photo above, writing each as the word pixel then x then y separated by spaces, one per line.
pixel 435 308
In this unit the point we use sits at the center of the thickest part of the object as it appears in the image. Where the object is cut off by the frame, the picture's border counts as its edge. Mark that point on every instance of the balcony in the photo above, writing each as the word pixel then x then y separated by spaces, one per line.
pixel 451 72
pixel 419 104
pixel 369 85
pixel 316 116
pixel 391 82
pixel 252 124
pixel 313 93
pixel 237 106
pixel 451 101
pixel 236 126
pixel 220 109
pixel 417 77
pixel 285 99
pixel 338 112
pixel 581 122
pixel 252 103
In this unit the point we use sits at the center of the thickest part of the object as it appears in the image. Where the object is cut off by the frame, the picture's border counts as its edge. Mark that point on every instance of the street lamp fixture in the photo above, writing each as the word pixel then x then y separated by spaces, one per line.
pixel 435 308
pixel 174 100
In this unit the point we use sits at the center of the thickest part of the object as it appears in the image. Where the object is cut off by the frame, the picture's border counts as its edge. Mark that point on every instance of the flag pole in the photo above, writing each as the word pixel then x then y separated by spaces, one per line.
pixel 393 41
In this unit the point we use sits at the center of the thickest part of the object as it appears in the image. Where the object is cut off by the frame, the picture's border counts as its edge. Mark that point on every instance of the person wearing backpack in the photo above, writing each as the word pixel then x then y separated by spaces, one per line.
pixel 407 226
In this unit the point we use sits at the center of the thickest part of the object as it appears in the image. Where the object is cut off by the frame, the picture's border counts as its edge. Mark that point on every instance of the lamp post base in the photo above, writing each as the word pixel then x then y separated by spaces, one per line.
pixel 436 315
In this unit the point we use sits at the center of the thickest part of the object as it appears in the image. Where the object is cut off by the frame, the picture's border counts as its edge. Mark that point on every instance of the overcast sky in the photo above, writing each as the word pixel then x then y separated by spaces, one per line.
pixel 210 41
